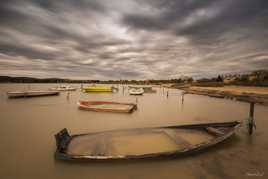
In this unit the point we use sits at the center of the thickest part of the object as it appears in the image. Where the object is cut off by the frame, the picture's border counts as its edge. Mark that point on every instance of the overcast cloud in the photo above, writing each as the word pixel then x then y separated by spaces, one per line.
pixel 132 39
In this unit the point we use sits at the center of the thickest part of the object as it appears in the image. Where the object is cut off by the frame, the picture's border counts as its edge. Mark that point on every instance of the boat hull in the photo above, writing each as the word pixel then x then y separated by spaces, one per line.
pixel 142 143
pixel 107 106
pixel 146 89
pixel 98 89
pixel 24 94
pixel 136 91
pixel 62 89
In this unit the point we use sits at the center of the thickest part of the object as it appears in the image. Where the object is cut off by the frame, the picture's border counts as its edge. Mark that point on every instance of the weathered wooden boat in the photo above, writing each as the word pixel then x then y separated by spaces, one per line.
pixel 63 88
pixel 24 94
pixel 134 91
pixel 97 89
pixel 107 106
pixel 142 143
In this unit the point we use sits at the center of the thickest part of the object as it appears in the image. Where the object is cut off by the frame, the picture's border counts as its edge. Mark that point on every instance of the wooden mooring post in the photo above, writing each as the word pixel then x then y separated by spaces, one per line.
pixel 251 121
pixel 182 97
pixel 68 96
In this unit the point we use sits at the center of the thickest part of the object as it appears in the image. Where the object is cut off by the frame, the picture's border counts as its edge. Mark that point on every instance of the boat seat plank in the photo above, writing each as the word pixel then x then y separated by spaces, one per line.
pixel 214 131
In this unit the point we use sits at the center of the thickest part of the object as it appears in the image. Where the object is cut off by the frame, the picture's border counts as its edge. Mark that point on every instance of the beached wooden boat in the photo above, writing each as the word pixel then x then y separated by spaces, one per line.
pixel 136 91
pixel 63 88
pixel 107 106
pixel 142 143
pixel 24 94
pixel 96 89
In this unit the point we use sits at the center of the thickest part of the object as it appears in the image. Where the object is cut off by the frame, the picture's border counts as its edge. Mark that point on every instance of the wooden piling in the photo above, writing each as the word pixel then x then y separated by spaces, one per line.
pixel 68 96
pixel 251 122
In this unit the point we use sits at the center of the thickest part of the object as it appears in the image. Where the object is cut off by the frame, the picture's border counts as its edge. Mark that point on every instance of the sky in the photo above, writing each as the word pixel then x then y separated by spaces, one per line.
pixel 132 39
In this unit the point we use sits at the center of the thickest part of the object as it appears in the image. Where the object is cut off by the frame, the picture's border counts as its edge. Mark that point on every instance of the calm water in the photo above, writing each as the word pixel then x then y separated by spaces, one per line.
pixel 27 128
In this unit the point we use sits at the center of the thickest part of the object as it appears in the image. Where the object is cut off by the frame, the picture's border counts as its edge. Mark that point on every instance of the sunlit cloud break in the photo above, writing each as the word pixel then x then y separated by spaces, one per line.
pixel 132 39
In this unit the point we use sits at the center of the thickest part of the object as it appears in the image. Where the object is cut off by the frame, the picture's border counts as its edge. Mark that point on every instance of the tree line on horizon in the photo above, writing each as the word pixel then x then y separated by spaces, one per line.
pixel 256 78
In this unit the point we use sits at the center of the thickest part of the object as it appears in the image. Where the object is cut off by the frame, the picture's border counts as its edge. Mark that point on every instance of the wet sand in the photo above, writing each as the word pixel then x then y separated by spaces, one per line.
pixel 27 128
pixel 241 93
pixel 237 89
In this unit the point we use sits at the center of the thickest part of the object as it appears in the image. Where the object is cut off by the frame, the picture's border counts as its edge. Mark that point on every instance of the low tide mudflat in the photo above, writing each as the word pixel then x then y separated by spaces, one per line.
pixel 27 128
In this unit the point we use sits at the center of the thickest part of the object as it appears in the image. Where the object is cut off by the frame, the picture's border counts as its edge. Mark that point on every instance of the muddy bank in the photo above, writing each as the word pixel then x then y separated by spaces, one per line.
pixel 247 94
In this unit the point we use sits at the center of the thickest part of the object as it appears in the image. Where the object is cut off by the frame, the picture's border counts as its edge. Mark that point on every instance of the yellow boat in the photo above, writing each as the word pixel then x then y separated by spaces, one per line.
pixel 90 89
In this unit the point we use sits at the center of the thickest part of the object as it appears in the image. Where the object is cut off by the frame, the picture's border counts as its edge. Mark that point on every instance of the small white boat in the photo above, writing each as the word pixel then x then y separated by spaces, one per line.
pixel 63 88
pixel 146 88
pixel 136 91
pixel 22 94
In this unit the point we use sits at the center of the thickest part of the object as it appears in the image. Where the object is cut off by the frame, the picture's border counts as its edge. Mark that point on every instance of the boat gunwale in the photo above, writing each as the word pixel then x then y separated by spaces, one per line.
pixel 27 94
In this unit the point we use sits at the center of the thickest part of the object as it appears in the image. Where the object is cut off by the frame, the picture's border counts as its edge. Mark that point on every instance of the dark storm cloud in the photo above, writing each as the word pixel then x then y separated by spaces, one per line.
pixel 132 38
pixel 200 19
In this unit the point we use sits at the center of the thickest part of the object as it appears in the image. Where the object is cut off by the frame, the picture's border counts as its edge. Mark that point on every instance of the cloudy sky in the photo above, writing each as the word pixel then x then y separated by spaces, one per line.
pixel 132 39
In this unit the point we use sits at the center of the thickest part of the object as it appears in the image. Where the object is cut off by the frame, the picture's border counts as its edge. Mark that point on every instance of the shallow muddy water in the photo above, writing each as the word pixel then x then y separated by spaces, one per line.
pixel 28 125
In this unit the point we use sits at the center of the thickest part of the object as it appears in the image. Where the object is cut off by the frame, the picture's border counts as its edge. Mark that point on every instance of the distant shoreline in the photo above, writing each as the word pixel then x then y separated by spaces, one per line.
pixel 9 79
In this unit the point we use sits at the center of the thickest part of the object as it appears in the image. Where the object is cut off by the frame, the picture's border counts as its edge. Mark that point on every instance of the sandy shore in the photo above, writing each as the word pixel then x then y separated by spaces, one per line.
pixel 236 89
pixel 241 93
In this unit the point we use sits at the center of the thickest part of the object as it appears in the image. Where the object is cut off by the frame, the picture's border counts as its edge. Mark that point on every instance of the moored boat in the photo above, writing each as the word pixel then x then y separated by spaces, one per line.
pixel 63 88
pixel 92 89
pixel 22 94
pixel 146 88
pixel 142 143
pixel 107 106
pixel 136 91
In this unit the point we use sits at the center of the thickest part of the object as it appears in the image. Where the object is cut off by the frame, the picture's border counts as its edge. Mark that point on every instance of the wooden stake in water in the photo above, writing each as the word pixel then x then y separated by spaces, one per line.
pixel 167 94
pixel 251 122
pixel 182 97
pixel 68 96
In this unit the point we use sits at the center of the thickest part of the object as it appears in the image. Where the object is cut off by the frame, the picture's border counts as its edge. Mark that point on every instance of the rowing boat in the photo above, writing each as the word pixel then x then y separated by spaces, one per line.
pixel 24 94
pixel 143 142
pixel 107 106
pixel 136 91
